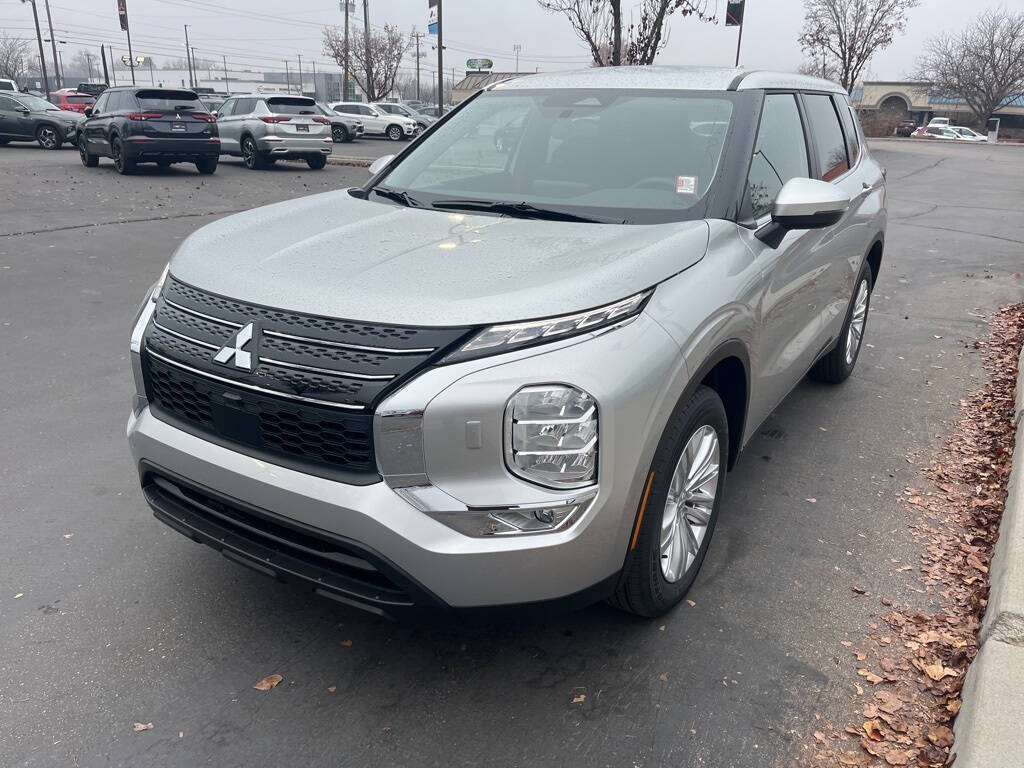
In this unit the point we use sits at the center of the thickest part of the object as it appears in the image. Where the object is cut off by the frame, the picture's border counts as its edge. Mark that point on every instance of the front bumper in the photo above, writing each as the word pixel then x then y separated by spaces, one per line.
pixel 294 146
pixel 625 369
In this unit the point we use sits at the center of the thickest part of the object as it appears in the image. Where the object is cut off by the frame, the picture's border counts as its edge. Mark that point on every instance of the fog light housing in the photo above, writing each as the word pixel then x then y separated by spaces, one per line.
pixel 551 433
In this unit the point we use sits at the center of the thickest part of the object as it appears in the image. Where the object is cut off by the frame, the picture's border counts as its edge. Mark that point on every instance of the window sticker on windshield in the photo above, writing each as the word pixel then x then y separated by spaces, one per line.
pixel 686 185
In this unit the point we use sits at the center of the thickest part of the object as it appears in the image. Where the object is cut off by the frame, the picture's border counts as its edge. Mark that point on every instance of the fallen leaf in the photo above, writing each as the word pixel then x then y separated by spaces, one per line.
pixel 579 698
pixel 332 688
pixel 898 756
pixel 859 590
pixel 853 758
pixel 953 706
pixel 820 736
pixel 690 603
pixel 268 682
pixel 181 734
pixel 68 535
pixel 941 736
pixel 142 727
pixel 873 729
pixel 20 594
pixel 937 671
pixel 661 628
pixel 346 643
pixel 811 501
pixel 663 676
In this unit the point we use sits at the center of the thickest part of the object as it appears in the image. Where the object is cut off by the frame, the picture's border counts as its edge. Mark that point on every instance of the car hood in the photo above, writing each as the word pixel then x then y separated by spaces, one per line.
pixel 60 114
pixel 338 256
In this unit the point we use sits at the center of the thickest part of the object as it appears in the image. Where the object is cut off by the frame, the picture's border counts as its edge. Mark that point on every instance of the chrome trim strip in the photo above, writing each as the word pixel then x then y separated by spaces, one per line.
pixel 183 337
pixel 355 347
pixel 268 392
pixel 327 371
pixel 584 418
pixel 196 313
pixel 578 452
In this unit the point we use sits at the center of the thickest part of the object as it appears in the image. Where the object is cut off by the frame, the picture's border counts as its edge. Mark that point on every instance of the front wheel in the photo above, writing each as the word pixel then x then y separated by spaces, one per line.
pixel 340 135
pixel 679 508
pixel 48 137
pixel 316 162
pixel 395 133
pixel 206 165
pixel 837 365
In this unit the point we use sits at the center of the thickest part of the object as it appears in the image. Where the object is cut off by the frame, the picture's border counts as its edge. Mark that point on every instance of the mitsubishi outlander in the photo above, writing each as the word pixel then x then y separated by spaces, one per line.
pixel 518 375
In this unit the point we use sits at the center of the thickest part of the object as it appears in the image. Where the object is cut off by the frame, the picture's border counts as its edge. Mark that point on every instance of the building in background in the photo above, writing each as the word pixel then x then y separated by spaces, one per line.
pixel 474 81
pixel 883 104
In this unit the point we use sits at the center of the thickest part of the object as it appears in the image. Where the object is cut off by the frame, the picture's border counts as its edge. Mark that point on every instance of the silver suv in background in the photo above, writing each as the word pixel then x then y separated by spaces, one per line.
pixel 516 375
pixel 376 122
pixel 262 129
pixel 394 108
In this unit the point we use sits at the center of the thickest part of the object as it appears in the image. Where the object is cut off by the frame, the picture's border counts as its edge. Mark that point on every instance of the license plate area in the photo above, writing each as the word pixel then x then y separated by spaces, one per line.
pixel 178 127
pixel 302 128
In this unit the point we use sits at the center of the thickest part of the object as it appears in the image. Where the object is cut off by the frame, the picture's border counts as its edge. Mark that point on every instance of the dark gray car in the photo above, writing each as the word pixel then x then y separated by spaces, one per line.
pixel 24 117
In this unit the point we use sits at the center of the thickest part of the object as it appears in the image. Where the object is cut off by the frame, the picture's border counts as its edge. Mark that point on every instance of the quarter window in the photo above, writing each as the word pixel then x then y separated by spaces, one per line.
pixel 828 136
pixel 780 153
pixel 850 127
pixel 101 103
pixel 226 108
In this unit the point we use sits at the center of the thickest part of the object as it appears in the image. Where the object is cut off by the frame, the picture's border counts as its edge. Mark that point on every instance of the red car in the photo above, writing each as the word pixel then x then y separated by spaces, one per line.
pixel 72 100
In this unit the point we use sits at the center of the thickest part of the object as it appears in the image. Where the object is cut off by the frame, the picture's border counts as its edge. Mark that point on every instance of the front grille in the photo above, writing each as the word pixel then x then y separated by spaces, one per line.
pixel 314 382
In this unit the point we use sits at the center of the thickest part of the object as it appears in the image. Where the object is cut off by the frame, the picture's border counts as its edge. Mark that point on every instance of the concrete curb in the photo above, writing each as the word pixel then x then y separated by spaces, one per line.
pixel 988 729
pixel 359 162
pixel 903 139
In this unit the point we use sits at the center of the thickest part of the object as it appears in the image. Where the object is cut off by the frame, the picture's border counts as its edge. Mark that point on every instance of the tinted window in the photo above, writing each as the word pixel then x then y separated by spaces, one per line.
pixel 294 106
pixel 7 103
pixel 828 136
pixel 345 109
pixel 80 99
pixel 120 101
pixel 365 110
pixel 226 108
pixel 245 106
pixel 7 85
pixel 780 153
pixel 101 103
pixel 850 129
pixel 169 100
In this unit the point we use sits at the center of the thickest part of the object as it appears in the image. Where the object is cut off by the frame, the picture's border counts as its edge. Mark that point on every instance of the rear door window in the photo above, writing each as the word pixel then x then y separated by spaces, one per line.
pixel 830 145
pixel 226 108
pixel 780 153
pixel 245 107
pixel 850 129
pixel 7 104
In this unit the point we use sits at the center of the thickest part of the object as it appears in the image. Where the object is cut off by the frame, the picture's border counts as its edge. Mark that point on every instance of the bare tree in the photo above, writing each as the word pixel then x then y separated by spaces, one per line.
pixel 851 32
pixel 374 61
pixel 14 57
pixel 598 23
pixel 983 64
pixel 818 64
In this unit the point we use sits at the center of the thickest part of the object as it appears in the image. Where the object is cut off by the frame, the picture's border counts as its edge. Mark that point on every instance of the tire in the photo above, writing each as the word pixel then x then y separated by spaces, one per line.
pixel 648 585
pixel 88 160
pixel 837 365
pixel 340 134
pixel 122 164
pixel 395 133
pixel 253 158
pixel 48 137
pixel 316 162
pixel 4 141
pixel 207 165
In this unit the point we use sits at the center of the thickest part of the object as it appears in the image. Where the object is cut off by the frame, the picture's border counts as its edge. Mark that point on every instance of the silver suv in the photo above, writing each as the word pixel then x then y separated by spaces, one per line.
pixel 509 376
pixel 263 129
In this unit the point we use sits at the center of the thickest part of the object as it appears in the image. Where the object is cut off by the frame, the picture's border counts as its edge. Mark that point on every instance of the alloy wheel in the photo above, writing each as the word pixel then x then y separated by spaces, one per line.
pixel 340 135
pixel 690 503
pixel 857 321
pixel 115 150
pixel 395 133
pixel 47 137
pixel 249 153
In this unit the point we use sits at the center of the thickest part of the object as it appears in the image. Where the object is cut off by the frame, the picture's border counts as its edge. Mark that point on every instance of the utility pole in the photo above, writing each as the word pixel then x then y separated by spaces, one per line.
pixel 369 64
pixel 314 81
pixel 300 74
pixel 53 42
pixel 440 65
pixel 106 72
pixel 39 39
pixel 344 75
pixel 226 89
pixel 287 77
pixel 195 65
pixel 517 48
pixel 188 58
pixel 113 63
pixel 88 60
pixel 152 77
pixel 418 35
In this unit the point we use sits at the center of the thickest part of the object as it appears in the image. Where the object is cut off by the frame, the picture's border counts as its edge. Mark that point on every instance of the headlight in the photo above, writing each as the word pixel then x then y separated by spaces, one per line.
pixel 503 338
pixel 551 436
pixel 159 286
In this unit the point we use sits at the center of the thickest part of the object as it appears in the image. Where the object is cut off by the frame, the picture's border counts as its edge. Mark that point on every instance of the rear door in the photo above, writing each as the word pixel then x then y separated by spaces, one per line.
pixel 173 114
pixel 8 117
pixel 228 127
pixel 94 127
pixel 297 117
pixel 373 121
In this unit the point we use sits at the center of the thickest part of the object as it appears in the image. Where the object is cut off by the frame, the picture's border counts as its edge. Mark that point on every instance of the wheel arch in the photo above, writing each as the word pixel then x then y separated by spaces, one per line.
pixel 874 257
pixel 726 371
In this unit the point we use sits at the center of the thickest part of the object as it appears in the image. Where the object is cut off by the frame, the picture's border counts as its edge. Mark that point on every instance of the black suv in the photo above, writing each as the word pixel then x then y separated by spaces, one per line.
pixel 134 125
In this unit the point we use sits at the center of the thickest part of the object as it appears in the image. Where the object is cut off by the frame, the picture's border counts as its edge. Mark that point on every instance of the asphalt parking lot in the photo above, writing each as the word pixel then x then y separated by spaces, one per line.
pixel 108 617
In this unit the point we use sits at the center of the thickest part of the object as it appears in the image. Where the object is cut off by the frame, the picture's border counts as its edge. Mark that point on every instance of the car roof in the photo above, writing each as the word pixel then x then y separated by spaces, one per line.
pixel 670 78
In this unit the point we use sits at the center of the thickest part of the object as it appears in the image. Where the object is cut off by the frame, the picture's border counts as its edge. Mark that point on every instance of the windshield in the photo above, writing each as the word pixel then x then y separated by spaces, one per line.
pixel 574 151
pixel 35 103
pixel 293 106
pixel 168 100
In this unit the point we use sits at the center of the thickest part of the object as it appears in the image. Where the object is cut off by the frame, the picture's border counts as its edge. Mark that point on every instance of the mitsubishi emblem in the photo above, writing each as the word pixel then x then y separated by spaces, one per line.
pixel 236 349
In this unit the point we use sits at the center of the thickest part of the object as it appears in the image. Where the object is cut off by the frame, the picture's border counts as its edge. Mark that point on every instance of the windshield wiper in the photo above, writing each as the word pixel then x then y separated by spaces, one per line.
pixel 398 196
pixel 523 210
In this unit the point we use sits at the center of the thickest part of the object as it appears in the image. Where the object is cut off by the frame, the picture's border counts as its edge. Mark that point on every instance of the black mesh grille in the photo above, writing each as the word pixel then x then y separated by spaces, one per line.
pixel 309 392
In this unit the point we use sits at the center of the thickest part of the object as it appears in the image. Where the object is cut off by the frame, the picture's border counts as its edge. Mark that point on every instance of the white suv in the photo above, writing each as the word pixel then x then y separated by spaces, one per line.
pixel 376 122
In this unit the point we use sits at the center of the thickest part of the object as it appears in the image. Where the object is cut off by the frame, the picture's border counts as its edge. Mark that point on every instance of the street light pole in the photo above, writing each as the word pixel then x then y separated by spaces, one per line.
pixel 369 64
pixel 226 89
pixel 344 76
pixel 39 39
pixel 53 42
pixel 440 64
pixel 188 58
pixel 300 74
pixel 517 48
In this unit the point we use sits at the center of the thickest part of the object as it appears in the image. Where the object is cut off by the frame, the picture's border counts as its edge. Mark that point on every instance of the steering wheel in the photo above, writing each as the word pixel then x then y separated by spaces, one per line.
pixel 654 182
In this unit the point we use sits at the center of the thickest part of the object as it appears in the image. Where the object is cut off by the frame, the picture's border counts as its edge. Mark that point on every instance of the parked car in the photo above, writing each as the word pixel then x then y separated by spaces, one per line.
pixel 262 129
pixel 935 132
pixel 134 125
pixel 344 128
pixel 24 117
pixel 432 111
pixel 938 122
pixel 213 103
pixel 6 84
pixel 394 108
pixel 93 89
pixel 964 133
pixel 523 381
pixel 71 100
pixel 377 122
pixel 906 128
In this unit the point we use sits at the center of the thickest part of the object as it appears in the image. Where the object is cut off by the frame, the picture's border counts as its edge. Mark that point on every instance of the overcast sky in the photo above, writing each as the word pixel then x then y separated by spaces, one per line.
pixel 260 34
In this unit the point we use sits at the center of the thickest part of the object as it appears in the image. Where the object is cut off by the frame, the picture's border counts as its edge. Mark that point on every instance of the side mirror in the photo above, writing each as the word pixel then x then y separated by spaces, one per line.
pixel 88 112
pixel 214 113
pixel 804 204
pixel 378 165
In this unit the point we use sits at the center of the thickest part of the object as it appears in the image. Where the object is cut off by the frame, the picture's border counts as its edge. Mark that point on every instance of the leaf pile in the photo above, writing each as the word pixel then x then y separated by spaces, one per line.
pixel 911 667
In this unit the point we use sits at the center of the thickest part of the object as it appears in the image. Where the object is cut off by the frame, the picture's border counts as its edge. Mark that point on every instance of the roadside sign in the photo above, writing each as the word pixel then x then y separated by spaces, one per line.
pixel 432 17
pixel 479 63
pixel 122 14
